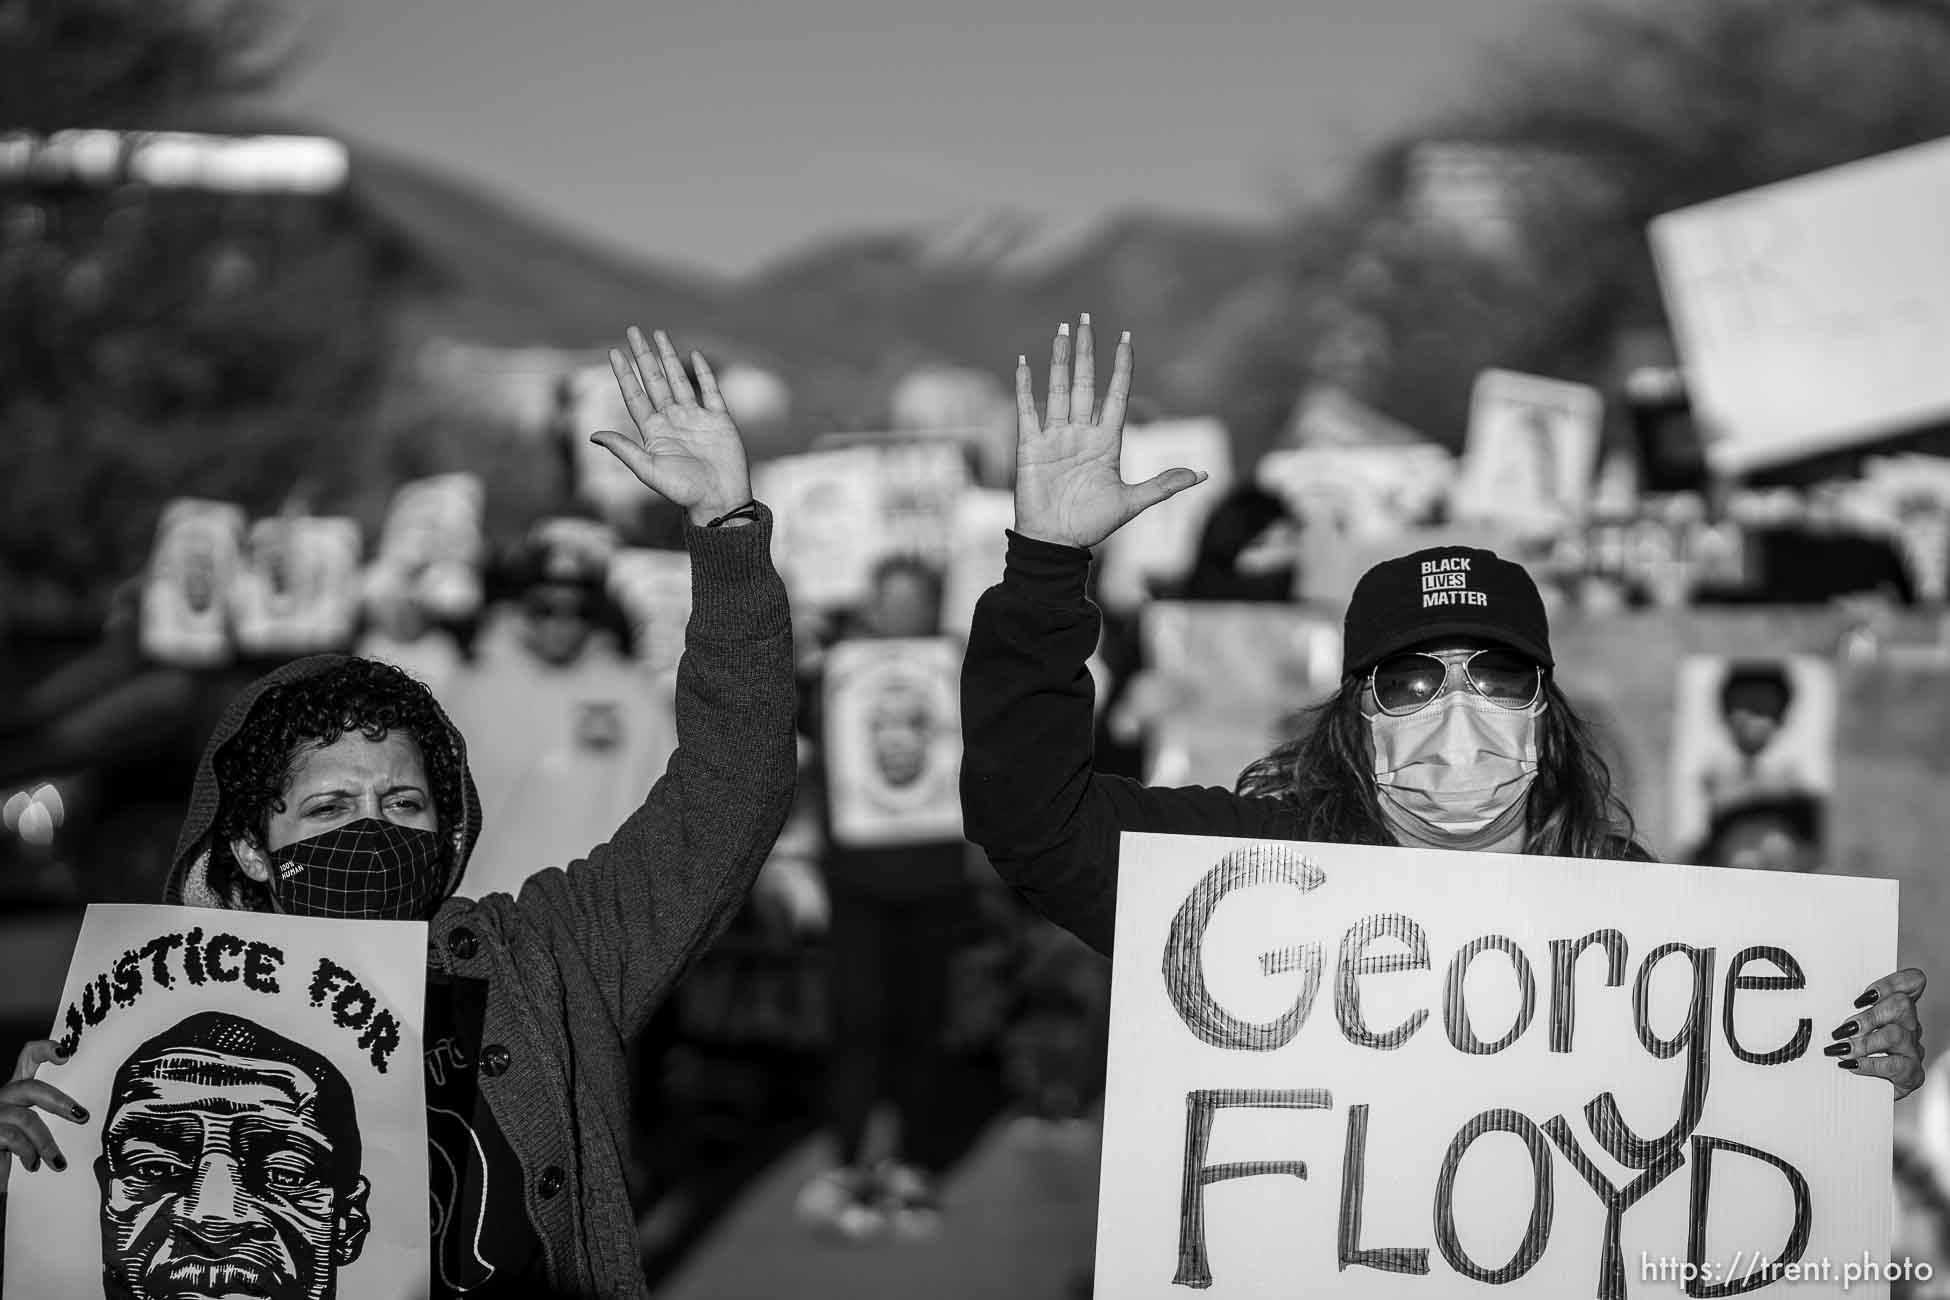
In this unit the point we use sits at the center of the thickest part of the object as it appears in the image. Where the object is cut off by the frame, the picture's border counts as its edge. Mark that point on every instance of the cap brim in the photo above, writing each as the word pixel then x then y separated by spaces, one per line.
pixel 1432 631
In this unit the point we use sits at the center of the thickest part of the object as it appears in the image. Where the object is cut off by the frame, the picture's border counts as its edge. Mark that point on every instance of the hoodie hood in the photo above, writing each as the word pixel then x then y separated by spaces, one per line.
pixel 200 875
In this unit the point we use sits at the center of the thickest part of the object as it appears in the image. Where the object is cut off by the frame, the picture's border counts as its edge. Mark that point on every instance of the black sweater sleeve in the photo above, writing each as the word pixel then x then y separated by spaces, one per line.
pixel 1049 823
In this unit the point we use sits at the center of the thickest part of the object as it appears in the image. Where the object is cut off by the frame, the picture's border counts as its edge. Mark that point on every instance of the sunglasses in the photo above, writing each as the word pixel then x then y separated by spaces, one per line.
pixel 1406 683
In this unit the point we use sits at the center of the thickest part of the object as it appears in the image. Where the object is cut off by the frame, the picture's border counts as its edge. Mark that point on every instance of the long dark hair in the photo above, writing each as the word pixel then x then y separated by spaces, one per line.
pixel 1325 774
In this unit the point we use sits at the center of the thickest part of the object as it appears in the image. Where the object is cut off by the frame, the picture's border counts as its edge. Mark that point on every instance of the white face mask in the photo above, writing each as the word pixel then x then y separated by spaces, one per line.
pixel 1459 767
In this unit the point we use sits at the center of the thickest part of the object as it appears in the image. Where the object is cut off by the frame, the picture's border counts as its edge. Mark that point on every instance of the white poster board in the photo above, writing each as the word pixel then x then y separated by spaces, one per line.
pixel 1161 542
pixel 892 732
pixel 920 484
pixel 1347 1071
pixel 257 1111
pixel 299 589
pixel 185 617
pixel 827 526
pixel 653 588
pixel 1225 679
pixel 1364 493
pixel 1531 452
pixel 838 511
pixel 431 545
pixel 978 552
pixel 1814 313
pixel 1328 417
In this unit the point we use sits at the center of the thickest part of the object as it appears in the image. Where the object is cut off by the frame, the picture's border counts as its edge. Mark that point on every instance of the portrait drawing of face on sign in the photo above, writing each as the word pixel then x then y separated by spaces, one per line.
pixel 899 726
pixel 892 740
pixel 199 570
pixel 230 1165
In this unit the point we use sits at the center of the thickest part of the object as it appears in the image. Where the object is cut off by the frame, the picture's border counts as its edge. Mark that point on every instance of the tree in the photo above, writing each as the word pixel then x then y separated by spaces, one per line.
pixel 67 63
pixel 1634 111
pixel 161 343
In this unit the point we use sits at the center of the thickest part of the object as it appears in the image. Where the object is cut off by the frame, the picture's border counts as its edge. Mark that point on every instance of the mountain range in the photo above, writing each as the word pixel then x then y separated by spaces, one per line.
pixel 845 316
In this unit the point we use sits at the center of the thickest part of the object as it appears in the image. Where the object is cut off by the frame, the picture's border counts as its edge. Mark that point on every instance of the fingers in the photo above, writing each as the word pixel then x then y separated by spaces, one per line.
pixel 1909 981
pixel 642 408
pixel 1059 379
pixel 1896 1009
pixel 1885 1041
pixel 1140 497
pixel 1905 1072
pixel 42 1051
pixel 1119 392
pixel 1027 425
pixel 680 383
pixel 1083 384
pixel 26 1135
pixel 628 450
pixel 33 1092
pixel 708 381
pixel 655 382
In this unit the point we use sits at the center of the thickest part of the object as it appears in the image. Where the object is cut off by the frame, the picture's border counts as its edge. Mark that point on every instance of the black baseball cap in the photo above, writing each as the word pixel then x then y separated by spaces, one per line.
pixel 1443 591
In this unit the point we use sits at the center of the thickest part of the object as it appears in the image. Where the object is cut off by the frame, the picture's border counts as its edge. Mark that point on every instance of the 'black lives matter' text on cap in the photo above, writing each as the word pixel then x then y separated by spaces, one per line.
pixel 1445 591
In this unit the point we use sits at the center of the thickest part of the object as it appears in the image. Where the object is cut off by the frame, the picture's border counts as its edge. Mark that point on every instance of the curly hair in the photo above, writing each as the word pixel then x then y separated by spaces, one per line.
pixel 363 696
pixel 1325 774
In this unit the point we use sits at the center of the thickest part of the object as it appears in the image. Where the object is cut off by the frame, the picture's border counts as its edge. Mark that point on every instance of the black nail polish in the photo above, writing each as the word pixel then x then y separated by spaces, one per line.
pixel 1867 999
pixel 1835 1049
pixel 1845 1030
pixel 81 1115
pixel 1851 1064
pixel 60 1164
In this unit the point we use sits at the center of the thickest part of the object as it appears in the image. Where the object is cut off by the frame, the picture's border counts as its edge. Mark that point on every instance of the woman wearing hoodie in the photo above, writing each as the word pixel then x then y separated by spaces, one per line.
pixel 336 786
pixel 1448 732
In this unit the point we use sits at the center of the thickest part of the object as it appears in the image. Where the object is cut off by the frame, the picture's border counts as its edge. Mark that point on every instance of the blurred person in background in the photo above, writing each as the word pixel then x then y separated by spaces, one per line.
pixel 405 627
pixel 1448 731
pixel 336 786
pixel 568 729
pixel 1248 551
pixel 1769 833
pixel 899 915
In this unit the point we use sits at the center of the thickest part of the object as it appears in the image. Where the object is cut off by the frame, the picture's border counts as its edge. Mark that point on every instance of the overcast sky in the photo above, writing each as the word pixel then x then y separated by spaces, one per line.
pixel 722 134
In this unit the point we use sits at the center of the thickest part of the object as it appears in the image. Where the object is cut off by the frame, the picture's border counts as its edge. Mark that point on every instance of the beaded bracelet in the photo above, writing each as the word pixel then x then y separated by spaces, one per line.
pixel 747 511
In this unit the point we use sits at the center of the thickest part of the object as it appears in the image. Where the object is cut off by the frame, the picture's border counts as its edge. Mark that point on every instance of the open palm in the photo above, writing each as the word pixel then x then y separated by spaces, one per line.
pixel 685 449
pixel 1070 488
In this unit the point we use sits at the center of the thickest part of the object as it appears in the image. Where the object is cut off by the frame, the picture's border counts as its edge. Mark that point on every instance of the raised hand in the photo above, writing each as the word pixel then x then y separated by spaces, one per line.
pixel 687 451
pixel 1069 488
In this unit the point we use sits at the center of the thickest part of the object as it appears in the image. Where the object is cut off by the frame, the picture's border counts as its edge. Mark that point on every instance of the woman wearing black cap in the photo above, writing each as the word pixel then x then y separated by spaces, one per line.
pixel 1448 731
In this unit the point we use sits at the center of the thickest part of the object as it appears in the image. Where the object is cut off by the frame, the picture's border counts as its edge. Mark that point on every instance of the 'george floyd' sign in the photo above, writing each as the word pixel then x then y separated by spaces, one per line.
pixel 1351 1071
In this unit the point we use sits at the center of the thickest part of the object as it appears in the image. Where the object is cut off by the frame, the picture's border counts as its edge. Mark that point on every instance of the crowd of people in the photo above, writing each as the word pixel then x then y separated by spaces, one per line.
pixel 579 832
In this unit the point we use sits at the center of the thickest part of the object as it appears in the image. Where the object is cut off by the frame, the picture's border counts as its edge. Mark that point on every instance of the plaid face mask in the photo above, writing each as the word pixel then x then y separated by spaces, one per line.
pixel 368 869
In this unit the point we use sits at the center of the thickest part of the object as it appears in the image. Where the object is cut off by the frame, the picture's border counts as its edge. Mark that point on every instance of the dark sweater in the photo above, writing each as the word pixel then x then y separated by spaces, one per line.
pixel 1030 796
pixel 579 959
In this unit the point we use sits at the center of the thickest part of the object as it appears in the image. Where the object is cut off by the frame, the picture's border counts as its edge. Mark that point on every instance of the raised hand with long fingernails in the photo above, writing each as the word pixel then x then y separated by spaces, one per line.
pixel 1070 488
pixel 686 448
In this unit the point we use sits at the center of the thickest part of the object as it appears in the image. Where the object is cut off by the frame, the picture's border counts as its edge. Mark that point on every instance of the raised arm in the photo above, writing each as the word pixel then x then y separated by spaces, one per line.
pixel 1030 797
pixel 645 902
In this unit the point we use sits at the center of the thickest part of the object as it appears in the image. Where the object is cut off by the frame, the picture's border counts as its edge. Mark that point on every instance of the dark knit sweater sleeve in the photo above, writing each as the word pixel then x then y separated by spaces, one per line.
pixel 667 883
pixel 1030 798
